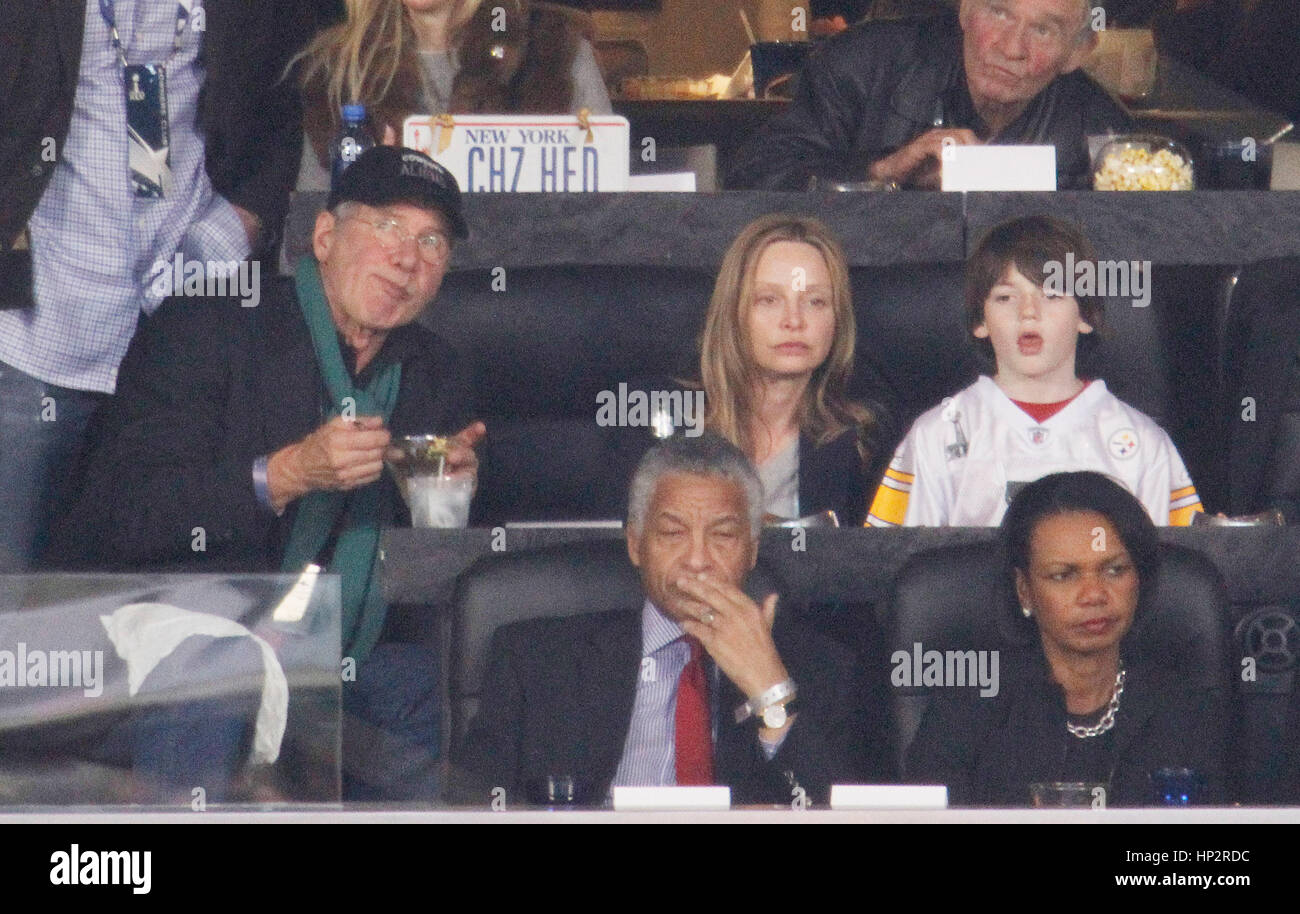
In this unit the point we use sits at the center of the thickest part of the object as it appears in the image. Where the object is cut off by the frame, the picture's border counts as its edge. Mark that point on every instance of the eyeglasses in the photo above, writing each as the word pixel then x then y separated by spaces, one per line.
pixel 433 246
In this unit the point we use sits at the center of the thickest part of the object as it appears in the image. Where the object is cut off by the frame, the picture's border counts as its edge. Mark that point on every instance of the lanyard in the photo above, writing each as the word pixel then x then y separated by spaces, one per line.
pixel 106 10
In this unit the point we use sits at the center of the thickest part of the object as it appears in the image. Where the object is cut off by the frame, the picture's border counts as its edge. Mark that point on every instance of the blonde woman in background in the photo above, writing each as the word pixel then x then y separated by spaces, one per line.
pixel 776 356
pixel 403 57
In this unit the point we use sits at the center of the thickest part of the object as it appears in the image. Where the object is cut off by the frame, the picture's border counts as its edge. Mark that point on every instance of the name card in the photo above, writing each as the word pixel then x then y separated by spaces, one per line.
pixel 676 182
pixel 640 799
pixel 889 796
pixel 525 153
pixel 999 168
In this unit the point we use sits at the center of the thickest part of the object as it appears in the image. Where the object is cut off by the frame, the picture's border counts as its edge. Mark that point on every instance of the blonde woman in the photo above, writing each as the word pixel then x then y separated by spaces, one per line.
pixel 775 359
pixel 402 57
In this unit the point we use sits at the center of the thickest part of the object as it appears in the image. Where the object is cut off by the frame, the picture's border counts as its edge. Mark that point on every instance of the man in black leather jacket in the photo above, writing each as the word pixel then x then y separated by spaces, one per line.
pixel 883 99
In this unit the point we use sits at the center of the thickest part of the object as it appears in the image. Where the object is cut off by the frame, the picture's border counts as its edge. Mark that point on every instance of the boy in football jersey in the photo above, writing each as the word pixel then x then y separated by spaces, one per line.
pixel 963 461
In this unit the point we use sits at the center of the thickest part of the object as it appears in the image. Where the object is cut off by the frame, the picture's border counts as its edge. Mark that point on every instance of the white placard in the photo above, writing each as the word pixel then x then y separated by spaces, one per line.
pixel 649 798
pixel 525 153
pixel 999 167
pixel 1286 166
pixel 676 182
pixel 889 796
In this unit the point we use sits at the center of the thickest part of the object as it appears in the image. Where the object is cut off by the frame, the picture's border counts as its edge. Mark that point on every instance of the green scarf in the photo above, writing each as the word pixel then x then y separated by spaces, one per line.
pixel 319 511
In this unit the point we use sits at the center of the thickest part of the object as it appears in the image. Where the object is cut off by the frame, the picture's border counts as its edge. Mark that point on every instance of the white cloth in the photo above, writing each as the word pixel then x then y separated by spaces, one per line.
pixel 145 634
pixel 963 460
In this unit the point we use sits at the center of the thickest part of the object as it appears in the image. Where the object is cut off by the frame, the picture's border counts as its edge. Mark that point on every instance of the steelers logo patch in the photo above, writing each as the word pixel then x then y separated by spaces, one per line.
pixel 1124 443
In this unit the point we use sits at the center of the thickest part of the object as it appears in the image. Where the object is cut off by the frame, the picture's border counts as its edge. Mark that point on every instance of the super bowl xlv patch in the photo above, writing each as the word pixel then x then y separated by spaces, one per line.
pixel 147 129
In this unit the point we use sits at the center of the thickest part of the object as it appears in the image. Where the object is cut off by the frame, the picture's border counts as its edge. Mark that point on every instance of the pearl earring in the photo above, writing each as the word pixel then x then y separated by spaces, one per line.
pixel 1027 611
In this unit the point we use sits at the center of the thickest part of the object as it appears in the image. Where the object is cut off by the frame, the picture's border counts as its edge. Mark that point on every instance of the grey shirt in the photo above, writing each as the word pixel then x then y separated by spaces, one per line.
pixel 780 476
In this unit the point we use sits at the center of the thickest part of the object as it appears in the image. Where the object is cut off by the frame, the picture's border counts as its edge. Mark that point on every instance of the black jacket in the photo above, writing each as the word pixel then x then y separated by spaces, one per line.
pixel 989 750
pixel 558 696
pixel 206 387
pixel 832 476
pixel 875 87
pixel 250 119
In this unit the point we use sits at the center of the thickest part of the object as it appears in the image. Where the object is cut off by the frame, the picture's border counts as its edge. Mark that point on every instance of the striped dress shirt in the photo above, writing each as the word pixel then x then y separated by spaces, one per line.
pixel 649 752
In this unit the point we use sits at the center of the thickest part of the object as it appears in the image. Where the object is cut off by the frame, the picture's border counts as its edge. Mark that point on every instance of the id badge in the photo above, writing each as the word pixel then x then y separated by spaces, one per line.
pixel 147 129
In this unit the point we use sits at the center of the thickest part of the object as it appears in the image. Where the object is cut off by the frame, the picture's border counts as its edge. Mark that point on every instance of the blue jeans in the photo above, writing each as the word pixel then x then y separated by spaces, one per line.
pixel 392 716
pixel 39 442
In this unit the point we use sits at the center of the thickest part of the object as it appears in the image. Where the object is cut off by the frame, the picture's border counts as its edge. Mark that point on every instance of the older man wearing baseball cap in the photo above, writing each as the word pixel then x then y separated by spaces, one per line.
pixel 253 438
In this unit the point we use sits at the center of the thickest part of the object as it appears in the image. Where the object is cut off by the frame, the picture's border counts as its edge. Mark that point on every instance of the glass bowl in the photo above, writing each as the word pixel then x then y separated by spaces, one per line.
pixel 1143 162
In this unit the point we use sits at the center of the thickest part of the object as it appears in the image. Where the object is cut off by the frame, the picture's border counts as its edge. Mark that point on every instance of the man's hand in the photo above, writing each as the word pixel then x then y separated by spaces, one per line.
pixel 252 225
pixel 826 26
pixel 461 459
pixel 920 162
pixel 342 454
pixel 737 633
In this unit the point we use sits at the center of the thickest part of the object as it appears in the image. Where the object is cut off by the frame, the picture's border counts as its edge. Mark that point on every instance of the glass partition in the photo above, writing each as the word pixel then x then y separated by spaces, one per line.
pixel 169 689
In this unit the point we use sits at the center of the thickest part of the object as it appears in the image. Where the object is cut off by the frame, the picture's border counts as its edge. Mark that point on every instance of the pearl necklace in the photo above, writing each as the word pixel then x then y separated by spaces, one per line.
pixel 1107 720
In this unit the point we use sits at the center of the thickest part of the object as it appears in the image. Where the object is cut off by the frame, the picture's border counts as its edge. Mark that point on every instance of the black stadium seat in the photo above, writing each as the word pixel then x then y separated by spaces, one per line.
pixel 1259 411
pixel 545 346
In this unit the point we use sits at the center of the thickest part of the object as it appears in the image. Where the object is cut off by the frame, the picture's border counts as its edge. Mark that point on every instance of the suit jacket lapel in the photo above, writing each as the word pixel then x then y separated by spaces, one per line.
pixel 608 665
pixel 290 400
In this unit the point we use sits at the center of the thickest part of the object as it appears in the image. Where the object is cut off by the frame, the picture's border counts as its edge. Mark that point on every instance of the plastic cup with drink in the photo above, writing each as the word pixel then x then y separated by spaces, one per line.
pixel 436 498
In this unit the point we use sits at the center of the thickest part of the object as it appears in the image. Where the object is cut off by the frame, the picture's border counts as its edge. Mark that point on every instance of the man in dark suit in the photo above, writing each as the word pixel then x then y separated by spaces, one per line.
pixel 703 685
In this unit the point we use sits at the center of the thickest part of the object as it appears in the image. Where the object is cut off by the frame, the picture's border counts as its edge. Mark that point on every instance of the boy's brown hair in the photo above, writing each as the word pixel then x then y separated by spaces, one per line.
pixel 1029 243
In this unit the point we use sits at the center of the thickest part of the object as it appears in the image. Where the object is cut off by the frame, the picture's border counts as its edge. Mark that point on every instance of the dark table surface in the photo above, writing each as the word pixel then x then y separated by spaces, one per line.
pixel 877 229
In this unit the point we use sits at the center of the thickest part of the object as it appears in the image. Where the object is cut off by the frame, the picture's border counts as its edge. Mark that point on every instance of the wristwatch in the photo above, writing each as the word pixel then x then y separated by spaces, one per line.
pixel 773 707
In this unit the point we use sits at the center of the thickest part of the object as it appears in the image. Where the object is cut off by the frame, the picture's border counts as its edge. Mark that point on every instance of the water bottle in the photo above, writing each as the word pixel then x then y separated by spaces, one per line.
pixel 352 140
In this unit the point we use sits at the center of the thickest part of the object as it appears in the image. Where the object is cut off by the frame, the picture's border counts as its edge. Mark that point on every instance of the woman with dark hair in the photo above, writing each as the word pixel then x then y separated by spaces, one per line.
pixel 1075 705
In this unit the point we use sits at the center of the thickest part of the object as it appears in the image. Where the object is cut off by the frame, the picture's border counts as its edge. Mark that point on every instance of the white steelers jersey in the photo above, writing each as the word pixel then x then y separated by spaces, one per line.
pixel 963 461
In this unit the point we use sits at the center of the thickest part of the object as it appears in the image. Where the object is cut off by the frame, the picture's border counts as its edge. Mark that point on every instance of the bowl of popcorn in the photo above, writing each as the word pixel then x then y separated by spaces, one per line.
pixel 1142 163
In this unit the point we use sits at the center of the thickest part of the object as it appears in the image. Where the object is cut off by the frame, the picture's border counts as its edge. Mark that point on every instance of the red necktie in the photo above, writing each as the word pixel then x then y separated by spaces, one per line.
pixel 694 735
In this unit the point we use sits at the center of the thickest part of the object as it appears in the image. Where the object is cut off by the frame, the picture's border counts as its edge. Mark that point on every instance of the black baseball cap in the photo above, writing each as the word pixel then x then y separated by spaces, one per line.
pixel 394 174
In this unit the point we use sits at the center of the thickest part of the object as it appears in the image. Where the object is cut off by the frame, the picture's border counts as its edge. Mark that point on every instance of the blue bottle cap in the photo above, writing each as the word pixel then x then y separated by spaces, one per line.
pixel 354 112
